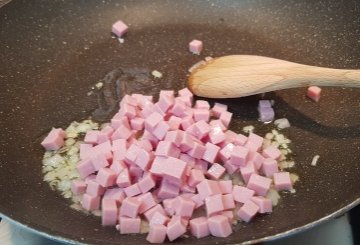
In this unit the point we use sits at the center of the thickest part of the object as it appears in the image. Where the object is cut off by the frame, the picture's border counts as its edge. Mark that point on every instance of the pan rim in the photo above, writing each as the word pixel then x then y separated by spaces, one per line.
pixel 293 231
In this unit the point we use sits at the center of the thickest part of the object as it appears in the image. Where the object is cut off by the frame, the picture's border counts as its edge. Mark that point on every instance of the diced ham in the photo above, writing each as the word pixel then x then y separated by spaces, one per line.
pixel 164 160
pixel 242 194
pixel 215 171
pixel 264 204
pixel 78 187
pixel 314 93
pixel 119 28
pixel 157 233
pixel 282 181
pixel 199 227
pixel 196 46
pixel 259 184
pixel 269 167
pixel 90 202
pixel 248 211
pixel 219 226
pixel 54 140
pixel 109 212
pixel 129 225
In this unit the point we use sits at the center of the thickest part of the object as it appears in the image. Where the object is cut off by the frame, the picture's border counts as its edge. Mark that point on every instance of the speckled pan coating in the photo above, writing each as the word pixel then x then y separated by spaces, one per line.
pixel 52 52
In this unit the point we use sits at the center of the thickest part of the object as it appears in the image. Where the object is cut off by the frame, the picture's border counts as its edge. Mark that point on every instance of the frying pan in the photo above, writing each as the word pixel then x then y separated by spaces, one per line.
pixel 52 52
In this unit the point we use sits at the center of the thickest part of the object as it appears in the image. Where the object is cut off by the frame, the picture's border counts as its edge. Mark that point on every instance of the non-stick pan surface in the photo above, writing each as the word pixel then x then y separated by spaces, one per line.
pixel 52 52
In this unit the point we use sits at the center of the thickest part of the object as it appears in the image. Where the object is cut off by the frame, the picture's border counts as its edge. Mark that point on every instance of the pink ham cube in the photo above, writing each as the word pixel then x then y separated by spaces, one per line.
pixel 211 152
pixel 215 171
pixel 185 92
pixel 196 176
pixel 178 108
pixel 144 159
pixel 116 194
pixel 174 122
pixel 152 120
pixel 219 226
pixel 197 200
pixel 228 201
pixel 122 132
pixel 257 159
pixel 78 187
pixel 214 204
pixel 99 161
pixel 95 189
pixel 266 114
pixel 147 201
pixel 123 179
pixel 314 93
pixel 196 46
pixel 109 212
pixel 168 190
pixel 54 140
pixel 202 104
pixel 174 136
pixel 264 204
pixel 240 140
pixel 187 142
pixel 271 152
pixel 106 177
pixel 226 151
pixel 202 129
pixel 132 153
pixel 208 188
pixel 119 28
pixel 239 156
pixel 157 208
pixel 165 148
pixel 201 114
pixel 159 219
pixel 269 167
pixel 259 184
pixel 184 207
pixel 248 211
pixel 157 233
pixel 174 170
pixel 197 151
pixel 129 207
pixel 247 171
pixel 132 190
pixel 216 135
pixel 169 205
pixel 91 136
pixel 160 130
pixel 89 202
pixel 199 227
pixel 129 225
pixel 218 109
pixel 85 168
pixel 255 140
pixel 282 181
pixel 242 194
pixel 230 168
pixel 175 229
pixel 119 144
pixel 137 123
pixel 146 183
pixel 226 186
pixel 225 118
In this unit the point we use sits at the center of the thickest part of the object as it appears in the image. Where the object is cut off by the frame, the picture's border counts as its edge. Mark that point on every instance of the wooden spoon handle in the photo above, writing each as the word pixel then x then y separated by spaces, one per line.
pixel 243 75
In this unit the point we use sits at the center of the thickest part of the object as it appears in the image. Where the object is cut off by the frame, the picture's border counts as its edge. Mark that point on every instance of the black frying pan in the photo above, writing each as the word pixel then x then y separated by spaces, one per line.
pixel 52 52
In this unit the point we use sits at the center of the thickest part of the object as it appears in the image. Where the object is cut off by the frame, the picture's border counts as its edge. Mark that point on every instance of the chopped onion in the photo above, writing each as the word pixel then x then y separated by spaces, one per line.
pixel 315 160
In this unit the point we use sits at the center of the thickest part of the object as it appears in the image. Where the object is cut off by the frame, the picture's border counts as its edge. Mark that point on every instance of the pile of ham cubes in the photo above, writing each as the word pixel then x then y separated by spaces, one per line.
pixel 164 161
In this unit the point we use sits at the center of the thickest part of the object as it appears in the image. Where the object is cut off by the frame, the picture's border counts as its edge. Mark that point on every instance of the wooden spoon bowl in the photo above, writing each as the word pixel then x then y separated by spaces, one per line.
pixel 242 75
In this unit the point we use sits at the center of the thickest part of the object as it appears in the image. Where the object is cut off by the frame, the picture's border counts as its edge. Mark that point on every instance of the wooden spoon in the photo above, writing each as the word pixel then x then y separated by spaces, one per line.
pixel 242 75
